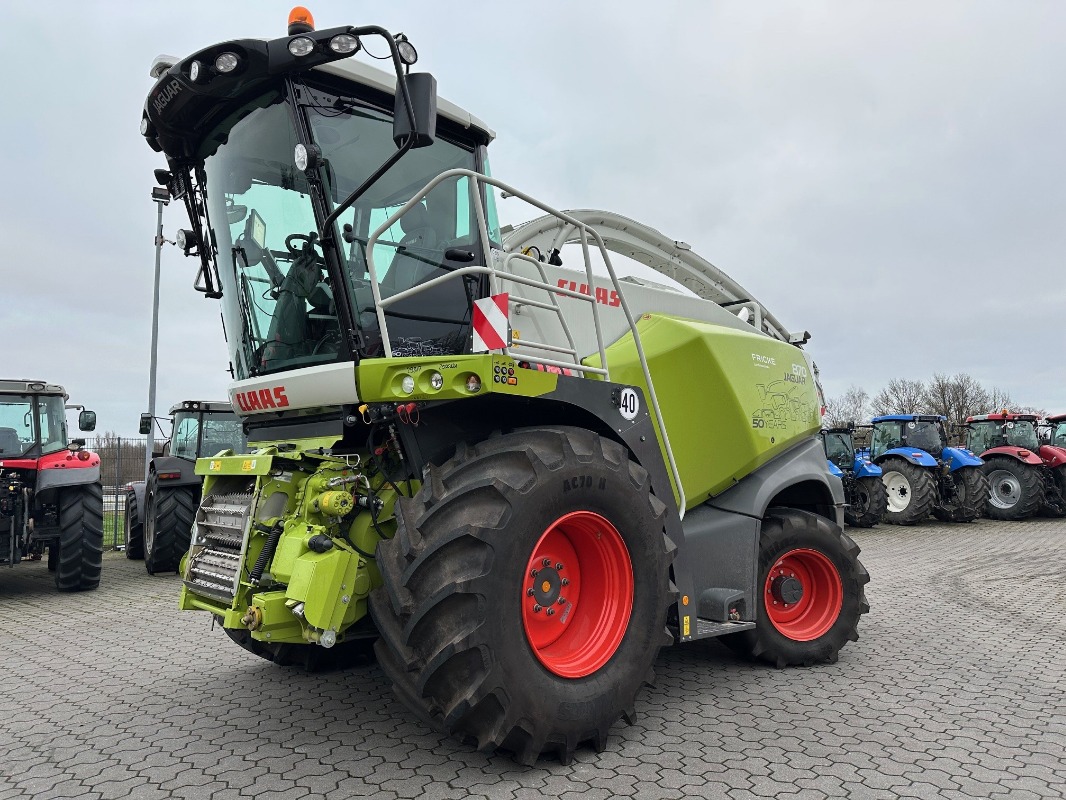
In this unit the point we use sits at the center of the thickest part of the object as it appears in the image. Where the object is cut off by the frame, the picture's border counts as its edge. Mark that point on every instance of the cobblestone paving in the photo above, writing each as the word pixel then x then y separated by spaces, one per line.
pixel 955 690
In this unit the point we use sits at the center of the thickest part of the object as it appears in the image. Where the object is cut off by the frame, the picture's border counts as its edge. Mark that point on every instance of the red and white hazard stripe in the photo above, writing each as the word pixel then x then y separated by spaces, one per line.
pixel 492 329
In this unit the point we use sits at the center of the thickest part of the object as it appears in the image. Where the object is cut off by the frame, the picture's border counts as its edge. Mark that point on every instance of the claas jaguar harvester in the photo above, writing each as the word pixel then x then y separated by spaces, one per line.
pixel 521 479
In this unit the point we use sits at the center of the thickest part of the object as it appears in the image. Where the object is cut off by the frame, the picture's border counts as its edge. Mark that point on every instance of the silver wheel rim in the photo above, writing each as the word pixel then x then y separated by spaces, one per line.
pixel 149 524
pixel 899 491
pixel 1006 489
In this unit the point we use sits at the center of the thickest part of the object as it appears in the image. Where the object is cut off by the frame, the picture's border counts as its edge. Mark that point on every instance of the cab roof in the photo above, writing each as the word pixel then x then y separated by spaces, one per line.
pixel 1002 416
pixel 30 386
pixel 208 406
pixel 909 418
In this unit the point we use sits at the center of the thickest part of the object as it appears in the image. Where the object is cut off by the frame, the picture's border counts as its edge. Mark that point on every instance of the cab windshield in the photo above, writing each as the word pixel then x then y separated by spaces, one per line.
pixel 926 435
pixel 1058 435
pixel 197 434
pixel 29 420
pixel 994 433
pixel 839 449
pixel 279 300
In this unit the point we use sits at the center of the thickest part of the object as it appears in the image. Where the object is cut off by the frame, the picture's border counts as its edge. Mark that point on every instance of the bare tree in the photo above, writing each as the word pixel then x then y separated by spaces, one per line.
pixel 955 397
pixel 852 406
pixel 900 396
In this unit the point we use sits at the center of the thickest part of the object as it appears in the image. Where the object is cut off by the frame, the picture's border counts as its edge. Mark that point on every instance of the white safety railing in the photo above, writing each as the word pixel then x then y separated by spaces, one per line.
pixel 586 233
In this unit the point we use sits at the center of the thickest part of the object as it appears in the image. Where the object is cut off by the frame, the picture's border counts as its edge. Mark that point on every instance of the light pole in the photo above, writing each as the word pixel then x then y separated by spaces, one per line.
pixel 161 196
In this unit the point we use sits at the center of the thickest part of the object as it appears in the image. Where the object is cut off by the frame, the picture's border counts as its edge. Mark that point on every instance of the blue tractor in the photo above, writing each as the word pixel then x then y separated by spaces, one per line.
pixel 922 475
pixel 864 490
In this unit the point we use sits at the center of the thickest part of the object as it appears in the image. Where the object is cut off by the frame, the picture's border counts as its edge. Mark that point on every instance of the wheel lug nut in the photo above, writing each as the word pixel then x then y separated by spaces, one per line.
pixel 566 581
pixel 559 565
pixel 529 591
pixel 536 608
pixel 547 562
pixel 551 611
pixel 532 573
pixel 562 601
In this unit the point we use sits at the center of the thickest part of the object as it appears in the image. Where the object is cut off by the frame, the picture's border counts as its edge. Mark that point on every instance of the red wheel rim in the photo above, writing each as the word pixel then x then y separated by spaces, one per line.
pixel 580 572
pixel 803 595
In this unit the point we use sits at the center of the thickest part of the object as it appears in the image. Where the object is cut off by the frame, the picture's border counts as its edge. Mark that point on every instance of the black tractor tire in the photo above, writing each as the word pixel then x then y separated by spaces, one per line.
pixel 910 489
pixel 309 657
pixel 823 627
pixel 53 556
pixel 168 518
pixel 1055 493
pixel 971 499
pixel 458 588
pixel 134 528
pixel 81 538
pixel 1016 490
pixel 868 503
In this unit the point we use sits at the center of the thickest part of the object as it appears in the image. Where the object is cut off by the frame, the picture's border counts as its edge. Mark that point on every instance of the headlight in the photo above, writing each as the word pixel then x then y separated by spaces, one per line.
pixel 194 71
pixel 227 62
pixel 301 46
pixel 407 385
pixel 408 54
pixel 344 43
pixel 436 380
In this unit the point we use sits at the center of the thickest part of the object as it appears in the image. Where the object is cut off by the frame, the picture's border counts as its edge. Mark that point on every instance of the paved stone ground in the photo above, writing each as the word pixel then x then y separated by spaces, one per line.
pixel 955 690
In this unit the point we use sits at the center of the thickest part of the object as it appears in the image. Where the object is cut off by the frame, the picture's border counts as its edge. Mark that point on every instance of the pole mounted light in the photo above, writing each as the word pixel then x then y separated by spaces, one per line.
pixel 161 197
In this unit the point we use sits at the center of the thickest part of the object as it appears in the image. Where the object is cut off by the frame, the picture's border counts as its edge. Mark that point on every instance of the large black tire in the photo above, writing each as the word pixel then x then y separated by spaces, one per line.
pixel 455 602
pixel 168 518
pixel 134 527
pixel 81 537
pixel 825 620
pixel 911 491
pixel 1016 490
pixel 1055 492
pixel 53 556
pixel 970 500
pixel 866 506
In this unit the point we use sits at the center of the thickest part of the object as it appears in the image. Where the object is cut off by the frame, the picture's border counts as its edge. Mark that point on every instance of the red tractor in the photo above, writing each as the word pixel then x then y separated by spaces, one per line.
pixel 50 494
pixel 1025 477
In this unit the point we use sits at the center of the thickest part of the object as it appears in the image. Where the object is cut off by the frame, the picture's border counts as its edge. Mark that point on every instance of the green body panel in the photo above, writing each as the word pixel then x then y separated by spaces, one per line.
pixel 731 400
pixel 380 379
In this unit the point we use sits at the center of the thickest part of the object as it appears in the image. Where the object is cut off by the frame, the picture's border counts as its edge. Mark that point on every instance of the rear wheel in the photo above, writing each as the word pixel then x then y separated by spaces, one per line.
pixel 525 593
pixel 1055 492
pixel 867 504
pixel 134 528
pixel 811 591
pixel 53 556
pixel 81 538
pixel 970 500
pixel 168 518
pixel 1016 490
pixel 911 491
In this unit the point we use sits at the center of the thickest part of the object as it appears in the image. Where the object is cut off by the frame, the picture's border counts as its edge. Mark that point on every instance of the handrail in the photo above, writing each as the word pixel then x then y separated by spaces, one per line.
pixel 476 180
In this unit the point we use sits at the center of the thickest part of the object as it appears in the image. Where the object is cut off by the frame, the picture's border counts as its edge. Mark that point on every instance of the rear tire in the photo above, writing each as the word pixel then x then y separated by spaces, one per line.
pixel 53 555
pixel 806 555
pixel 868 503
pixel 910 489
pixel 168 518
pixel 971 499
pixel 81 538
pixel 464 621
pixel 134 528
pixel 1016 490
pixel 1055 494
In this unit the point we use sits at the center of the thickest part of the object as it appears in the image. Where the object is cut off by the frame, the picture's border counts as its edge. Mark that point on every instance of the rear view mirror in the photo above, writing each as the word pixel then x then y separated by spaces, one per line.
pixel 87 421
pixel 145 427
pixel 423 90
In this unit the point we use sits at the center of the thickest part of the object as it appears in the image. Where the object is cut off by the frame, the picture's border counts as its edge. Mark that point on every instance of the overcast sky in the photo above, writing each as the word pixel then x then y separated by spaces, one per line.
pixel 889 176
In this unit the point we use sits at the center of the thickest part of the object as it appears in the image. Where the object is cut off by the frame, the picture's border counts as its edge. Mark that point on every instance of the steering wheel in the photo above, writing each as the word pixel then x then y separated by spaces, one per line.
pixel 298 237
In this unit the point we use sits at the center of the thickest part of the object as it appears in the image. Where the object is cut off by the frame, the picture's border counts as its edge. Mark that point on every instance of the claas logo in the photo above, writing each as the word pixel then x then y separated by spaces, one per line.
pixel 262 399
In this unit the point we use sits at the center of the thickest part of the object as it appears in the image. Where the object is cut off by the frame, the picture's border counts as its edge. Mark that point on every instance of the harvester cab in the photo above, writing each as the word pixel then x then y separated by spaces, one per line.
pixel 864 489
pixel 1025 476
pixel 922 474
pixel 159 509
pixel 500 468
pixel 50 493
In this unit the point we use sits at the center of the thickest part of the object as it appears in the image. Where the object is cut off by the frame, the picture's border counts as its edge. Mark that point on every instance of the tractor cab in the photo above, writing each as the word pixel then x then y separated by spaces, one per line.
pixel 839 448
pixel 200 428
pixel 33 421
pixel 918 432
pixel 289 154
pixel 1056 430
pixel 989 431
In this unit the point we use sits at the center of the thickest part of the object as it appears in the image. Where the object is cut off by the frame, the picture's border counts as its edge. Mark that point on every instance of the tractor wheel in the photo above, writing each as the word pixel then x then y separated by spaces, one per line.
pixel 911 491
pixel 1055 492
pixel 168 518
pixel 868 504
pixel 53 556
pixel 1016 490
pixel 970 500
pixel 81 538
pixel 525 592
pixel 134 529
pixel 812 591
pixel 309 657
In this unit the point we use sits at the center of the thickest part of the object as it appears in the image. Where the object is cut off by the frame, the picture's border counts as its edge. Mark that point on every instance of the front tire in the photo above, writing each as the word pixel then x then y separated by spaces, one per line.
pixel 970 500
pixel 81 538
pixel 811 596
pixel 525 592
pixel 1016 489
pixel 911 491
pixel 134 528
pixel 867 505
pixel 168 518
